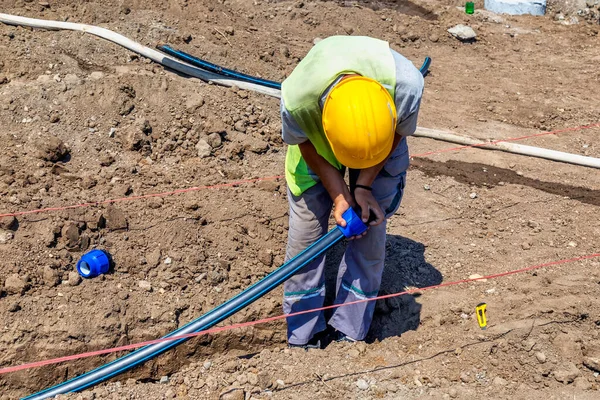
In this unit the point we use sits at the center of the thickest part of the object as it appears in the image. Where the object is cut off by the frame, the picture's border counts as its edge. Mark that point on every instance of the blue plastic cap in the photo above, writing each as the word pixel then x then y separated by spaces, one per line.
pixel 354 225
pixel 93 263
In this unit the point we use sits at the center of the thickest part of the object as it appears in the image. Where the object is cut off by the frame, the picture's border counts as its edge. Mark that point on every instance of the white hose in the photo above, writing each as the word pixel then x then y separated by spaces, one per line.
pixel 511 148
pixel 145 51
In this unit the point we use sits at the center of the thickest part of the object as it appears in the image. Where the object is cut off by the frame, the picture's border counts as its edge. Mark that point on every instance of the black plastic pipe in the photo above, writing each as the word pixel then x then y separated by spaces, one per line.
pixel 204 322
pixel 217 69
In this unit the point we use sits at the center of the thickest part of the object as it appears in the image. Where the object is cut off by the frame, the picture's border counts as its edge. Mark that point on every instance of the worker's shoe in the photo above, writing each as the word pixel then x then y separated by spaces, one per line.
pixel 314 343
pixel 342 337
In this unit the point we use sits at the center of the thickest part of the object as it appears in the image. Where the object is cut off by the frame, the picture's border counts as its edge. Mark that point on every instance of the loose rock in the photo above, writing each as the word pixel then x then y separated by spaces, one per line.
pixel 541 357
pixel 51 149
pixel 592 363
pixel 74 278
pixel 9 223
pixel 463 33
pixel 204 149
pixel 265 256
pixel 115 219
pixel 6 236
pixel 233 394
pixel 147 286
pixel 50 277
pixel 566 373
pixel 14 284
pixel 362 384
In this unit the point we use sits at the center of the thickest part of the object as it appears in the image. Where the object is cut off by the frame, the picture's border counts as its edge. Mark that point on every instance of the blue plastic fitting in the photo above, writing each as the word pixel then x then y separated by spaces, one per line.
pixel 93 263
pixel 354 225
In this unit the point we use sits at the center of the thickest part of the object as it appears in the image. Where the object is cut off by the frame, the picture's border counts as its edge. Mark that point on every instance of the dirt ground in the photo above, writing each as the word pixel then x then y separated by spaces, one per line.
pixel 84 120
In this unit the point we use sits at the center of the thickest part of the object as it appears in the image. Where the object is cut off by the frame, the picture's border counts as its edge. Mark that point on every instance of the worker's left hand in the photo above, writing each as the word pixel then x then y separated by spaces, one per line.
pixel 367 203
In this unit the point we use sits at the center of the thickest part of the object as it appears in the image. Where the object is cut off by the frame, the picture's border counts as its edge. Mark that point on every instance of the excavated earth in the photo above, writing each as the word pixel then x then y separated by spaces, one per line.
pixel 83 120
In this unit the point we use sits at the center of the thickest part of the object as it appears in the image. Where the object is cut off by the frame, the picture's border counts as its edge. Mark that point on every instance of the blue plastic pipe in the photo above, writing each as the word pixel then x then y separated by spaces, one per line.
pixel 354 226
pixel 198 62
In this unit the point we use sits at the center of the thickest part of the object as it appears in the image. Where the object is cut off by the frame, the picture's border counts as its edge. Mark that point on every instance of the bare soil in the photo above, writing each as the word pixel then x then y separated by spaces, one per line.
pixel 84 120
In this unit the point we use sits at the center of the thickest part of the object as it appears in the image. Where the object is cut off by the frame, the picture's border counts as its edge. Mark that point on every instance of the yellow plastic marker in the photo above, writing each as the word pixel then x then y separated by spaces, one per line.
pixel 481 318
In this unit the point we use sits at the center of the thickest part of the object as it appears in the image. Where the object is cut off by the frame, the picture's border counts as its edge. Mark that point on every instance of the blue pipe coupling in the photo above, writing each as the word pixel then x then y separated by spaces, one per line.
pixel 93 263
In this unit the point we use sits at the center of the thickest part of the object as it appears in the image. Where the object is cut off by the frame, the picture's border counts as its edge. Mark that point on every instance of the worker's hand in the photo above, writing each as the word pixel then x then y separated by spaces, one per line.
pixel 367 203
pixel 341 204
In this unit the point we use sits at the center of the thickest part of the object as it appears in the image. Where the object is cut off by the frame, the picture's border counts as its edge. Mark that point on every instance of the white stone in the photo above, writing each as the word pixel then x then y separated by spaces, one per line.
pixel 462 32
pixel 516 7
pixel 362 384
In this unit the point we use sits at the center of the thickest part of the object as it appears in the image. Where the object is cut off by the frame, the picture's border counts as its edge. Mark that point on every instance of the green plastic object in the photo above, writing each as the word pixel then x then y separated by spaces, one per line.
pixel 470 7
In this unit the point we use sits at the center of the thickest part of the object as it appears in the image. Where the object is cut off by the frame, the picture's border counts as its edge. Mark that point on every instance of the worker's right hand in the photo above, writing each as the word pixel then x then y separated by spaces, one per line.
pixel 341 204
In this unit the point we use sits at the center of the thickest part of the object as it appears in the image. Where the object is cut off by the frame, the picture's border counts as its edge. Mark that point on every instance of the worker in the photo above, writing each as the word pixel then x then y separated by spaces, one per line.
pixel 349 104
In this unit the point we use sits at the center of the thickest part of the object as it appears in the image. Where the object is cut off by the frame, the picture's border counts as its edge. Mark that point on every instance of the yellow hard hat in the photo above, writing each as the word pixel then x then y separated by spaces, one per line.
pixel 359 120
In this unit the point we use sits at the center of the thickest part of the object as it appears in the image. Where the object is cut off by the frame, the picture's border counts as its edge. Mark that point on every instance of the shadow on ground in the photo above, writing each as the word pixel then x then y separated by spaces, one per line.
pixel 405 266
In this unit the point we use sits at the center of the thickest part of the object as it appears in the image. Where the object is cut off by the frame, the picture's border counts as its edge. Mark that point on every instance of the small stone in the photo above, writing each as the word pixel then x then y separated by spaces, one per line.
pixel 3 79
pixel 353 353
pixel 163 379
pixel 74 278
pixel 6 236
pixel 478 277
pixel 240 126
pixel 229 30
pixel 473 195
pixel 498 381
pixel 463 33
pixel 111 132
pixel 252 379
pixel 582 383
pixel 566 373
pixel 194 102
pixel 230 366
pixel 9 223
pixel 145 285
pixel 214 140
pixel 168 260
pixel 170 394
pixel 280 384
pixel 526 246
pixel 264 381
pixel 203 148
pixel 207 364
pixel 265 256
pixel 233 394
pixel 50 276
pixel 592 363
pixel 572 244
pixel 284 50
pixel 453 393
pixel 316 40
pixel 362 384
pixel 115 219
pixel 426 187
pixel 106 160
pixel 51 149
pixel 242 379
pixel 434 38
pixel 14 284
pixel 14 307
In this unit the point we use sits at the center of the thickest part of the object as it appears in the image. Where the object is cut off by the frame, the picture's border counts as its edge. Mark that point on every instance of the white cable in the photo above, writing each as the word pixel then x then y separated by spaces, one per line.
pixel 511 148
pixel 145 51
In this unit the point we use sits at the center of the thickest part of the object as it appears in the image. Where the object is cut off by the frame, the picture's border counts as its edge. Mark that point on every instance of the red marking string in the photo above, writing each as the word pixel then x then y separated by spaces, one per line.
pixel 279 317
pixel 237 183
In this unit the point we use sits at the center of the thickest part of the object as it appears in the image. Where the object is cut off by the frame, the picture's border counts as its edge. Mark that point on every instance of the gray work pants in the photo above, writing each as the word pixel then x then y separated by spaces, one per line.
pixel 361 268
